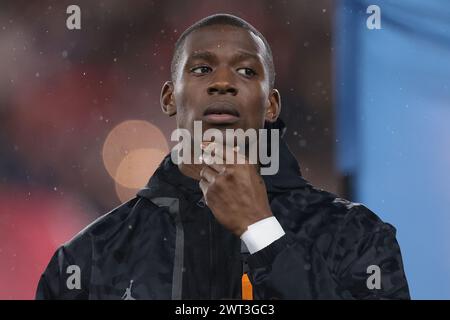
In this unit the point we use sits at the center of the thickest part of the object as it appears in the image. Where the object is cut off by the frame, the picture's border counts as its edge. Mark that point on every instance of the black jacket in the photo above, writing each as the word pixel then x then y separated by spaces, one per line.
pixel 166 244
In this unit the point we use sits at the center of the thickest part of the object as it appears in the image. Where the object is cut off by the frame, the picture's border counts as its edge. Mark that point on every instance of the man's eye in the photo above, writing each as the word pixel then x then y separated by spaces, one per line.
pixel 246 72
pixel 201 70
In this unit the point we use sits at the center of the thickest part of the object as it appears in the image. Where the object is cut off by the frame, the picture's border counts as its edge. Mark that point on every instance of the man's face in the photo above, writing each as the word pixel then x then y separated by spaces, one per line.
pixel 223 81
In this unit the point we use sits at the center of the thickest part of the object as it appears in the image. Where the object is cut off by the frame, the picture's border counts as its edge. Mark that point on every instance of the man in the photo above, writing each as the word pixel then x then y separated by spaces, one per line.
pixel 195 228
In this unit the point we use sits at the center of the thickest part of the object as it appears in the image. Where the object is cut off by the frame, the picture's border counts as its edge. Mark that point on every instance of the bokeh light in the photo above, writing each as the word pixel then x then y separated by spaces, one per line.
pixel 131 153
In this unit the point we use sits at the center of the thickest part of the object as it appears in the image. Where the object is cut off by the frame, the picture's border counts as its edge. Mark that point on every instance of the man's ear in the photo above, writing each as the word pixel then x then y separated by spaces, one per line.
pixel 167 99
pixel 273 108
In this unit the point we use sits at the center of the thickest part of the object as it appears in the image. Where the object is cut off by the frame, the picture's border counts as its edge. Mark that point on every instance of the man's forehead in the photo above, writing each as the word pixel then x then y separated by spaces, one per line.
pixel 218 39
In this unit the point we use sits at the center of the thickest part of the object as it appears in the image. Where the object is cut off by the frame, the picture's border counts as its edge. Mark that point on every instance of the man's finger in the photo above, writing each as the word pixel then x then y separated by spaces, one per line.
pixel 203 186
pixel 208 174
pixel 214 155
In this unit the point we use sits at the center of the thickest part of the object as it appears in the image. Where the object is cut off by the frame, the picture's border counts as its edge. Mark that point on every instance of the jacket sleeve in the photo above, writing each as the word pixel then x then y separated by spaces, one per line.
pixel 350 265
pixel 48 286
pixel 64 278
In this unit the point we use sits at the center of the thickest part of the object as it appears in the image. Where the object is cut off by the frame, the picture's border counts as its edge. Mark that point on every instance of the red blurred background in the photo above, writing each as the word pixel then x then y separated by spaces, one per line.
pixel 81 126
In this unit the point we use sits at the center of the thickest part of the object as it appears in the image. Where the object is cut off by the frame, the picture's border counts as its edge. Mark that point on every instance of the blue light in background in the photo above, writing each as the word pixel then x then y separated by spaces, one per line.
pixel 393 127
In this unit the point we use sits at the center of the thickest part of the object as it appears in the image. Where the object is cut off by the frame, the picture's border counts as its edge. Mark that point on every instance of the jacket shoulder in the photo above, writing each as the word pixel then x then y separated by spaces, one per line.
pixel 358 217
pixel 322 212
pixel 104 225
pixel 76 254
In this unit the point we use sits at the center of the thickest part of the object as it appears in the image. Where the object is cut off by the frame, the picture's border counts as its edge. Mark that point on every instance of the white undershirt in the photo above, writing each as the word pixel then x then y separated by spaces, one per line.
pixel 262 233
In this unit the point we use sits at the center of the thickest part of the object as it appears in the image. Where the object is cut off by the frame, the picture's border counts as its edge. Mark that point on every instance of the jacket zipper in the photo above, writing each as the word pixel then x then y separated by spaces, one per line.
pixel 211 256
pixel 201 203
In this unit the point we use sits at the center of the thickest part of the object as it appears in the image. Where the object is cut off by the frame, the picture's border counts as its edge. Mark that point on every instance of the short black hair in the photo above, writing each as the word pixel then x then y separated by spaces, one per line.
pixel 227 20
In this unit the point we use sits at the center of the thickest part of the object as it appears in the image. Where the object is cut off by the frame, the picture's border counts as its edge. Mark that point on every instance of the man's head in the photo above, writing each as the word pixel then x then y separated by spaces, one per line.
pixel 223 75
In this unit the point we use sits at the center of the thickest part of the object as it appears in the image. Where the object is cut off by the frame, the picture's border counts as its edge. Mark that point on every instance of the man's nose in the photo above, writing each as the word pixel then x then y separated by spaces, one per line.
pixel 222 84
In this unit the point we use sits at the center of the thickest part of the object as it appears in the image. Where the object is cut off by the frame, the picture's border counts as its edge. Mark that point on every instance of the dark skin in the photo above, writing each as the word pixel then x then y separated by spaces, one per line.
pixel 224 64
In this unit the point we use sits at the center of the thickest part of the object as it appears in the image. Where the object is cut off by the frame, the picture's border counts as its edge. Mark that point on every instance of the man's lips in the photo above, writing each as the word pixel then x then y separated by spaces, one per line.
pixel 221 113
pixel 222 118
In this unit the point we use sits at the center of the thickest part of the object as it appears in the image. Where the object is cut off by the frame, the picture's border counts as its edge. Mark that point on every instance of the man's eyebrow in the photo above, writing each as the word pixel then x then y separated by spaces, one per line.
pixel 209 56
pixel 244 55
pixel 202 55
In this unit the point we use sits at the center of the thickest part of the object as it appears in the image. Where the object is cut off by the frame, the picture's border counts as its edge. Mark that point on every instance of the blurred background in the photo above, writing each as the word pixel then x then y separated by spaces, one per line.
pixel 81 128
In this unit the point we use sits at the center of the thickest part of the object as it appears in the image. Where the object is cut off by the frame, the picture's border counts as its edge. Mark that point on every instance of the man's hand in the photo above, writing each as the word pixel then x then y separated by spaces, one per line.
pixel 235 193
